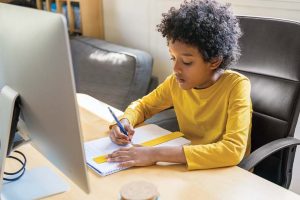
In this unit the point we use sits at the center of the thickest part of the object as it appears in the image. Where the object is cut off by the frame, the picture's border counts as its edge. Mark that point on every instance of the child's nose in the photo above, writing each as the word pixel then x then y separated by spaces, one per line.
pixel 176 67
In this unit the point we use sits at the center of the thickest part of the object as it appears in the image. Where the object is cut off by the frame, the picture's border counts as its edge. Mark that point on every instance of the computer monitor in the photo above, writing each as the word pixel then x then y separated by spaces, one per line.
pixel 35 61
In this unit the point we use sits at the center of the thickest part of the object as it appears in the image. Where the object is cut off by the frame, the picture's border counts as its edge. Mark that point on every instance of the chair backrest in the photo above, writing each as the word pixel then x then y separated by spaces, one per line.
pixel 270 58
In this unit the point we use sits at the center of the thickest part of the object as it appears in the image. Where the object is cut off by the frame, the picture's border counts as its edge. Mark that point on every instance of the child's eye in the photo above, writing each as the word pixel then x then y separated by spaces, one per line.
pixel 172 58
pixel 187 63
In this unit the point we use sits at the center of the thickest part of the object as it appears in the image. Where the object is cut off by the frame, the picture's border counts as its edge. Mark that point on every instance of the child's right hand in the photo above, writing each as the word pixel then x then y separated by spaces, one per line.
pixel 118 137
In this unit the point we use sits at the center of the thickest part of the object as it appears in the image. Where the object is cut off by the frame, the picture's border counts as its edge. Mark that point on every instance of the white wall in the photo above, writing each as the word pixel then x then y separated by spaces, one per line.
pixel 133 23
pixel 295 185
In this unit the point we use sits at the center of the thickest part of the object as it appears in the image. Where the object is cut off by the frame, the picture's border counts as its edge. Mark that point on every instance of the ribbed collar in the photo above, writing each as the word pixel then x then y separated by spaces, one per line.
pixel 206 92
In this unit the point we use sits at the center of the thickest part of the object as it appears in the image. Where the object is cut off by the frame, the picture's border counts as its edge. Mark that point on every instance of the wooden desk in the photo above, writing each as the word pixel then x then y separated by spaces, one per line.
pixel 173 182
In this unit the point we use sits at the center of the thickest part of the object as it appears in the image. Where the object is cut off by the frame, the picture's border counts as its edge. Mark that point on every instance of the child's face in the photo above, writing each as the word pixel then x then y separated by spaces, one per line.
pixel 189 67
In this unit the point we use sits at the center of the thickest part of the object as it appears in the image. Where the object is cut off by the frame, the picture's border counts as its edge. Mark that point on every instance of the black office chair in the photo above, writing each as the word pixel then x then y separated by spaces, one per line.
pixel 271 60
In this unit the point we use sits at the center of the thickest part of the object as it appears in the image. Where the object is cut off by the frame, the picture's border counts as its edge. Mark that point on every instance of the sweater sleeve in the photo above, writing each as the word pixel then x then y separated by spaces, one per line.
pixel 156 101
pixel 230 150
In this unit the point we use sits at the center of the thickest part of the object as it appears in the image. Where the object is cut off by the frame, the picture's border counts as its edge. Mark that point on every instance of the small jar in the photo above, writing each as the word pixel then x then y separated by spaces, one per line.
pixel 139 190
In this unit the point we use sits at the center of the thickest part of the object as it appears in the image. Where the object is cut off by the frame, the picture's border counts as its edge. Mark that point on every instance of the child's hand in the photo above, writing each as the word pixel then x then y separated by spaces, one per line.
pixel 120 138
pixel 133 156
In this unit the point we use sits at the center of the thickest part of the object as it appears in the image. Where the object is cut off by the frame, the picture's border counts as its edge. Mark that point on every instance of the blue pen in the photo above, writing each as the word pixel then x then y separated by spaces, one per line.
pixel 118 122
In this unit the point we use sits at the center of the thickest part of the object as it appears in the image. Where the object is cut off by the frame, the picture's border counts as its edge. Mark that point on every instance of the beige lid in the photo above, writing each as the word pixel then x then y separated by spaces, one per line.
pixel 139 190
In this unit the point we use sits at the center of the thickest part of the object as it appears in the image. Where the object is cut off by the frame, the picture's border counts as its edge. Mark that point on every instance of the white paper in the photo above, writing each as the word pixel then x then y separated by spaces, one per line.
pixel 105 146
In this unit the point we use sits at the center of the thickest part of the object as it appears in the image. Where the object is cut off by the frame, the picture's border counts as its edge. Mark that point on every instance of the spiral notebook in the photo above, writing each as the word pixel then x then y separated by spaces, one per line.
pixel 148 135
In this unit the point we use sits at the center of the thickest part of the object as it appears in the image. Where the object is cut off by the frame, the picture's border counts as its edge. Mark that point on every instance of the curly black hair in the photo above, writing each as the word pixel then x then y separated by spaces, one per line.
pixel 207 25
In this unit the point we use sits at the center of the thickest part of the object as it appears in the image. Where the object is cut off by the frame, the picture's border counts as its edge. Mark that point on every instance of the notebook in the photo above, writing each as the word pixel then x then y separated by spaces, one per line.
pixel 148 135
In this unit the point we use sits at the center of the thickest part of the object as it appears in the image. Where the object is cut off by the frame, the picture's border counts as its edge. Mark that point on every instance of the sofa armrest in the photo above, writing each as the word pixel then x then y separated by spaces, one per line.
pixel 165 119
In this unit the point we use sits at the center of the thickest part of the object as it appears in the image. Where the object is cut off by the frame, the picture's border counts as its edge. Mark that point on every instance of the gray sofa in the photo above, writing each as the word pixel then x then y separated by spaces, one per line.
pixel 116 75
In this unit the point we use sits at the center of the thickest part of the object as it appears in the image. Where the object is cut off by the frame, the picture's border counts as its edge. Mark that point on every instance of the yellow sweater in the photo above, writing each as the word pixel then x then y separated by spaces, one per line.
pixel 216 119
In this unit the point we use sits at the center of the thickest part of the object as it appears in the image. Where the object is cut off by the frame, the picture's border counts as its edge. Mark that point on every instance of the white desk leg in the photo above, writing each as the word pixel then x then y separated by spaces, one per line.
pixel 7 103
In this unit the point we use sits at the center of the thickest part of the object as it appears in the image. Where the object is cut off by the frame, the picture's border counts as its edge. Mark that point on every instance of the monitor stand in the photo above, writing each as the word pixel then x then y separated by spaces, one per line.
pixel 34 184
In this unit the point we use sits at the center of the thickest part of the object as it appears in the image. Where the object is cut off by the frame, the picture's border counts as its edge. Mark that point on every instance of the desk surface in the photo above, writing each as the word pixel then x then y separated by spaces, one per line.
pixel 173 182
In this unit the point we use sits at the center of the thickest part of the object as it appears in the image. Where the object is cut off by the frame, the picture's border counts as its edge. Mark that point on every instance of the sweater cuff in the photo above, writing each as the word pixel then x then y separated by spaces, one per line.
pixel 114 122
pixel 189 158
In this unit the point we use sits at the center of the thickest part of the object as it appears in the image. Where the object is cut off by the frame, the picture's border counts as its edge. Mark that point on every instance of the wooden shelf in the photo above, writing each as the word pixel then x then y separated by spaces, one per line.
pixel 91 16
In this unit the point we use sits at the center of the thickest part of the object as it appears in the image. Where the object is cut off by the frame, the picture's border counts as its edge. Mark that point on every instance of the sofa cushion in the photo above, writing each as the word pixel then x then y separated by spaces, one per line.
pixel 114 74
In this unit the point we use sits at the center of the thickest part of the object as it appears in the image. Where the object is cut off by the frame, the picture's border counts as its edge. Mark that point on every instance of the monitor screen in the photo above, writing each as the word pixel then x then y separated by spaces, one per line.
pixel 35 61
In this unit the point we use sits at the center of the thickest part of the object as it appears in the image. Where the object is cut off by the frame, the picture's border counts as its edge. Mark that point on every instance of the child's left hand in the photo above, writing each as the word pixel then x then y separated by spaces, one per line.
pixel 133 156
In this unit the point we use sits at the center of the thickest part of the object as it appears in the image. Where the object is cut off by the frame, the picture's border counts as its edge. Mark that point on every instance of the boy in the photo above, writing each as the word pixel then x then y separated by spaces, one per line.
pixel 212 103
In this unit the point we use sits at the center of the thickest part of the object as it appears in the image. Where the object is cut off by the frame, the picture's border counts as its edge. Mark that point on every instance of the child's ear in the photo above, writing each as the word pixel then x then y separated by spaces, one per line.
pixel 215 62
